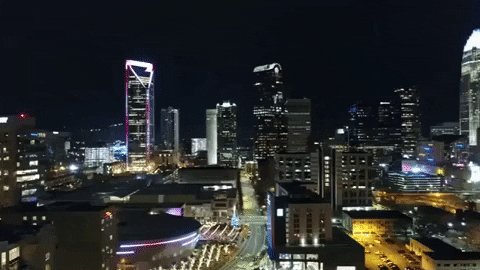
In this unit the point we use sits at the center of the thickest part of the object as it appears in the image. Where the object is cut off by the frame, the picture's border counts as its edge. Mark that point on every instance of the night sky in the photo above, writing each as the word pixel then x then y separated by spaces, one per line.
pixel 63 62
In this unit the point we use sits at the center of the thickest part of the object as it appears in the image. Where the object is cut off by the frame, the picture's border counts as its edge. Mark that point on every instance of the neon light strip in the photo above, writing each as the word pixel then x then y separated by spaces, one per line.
pixel 160 243
pixel 147 66
pixel 125 252
pixel 191 241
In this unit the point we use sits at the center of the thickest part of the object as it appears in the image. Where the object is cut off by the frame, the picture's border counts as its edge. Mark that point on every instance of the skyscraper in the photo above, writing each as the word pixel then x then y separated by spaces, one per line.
pixel 362 123
pixel 170 129
pixel 211 123
pixel 410 120
pixel 388 129
pixel 227 134
pixel 470 88
pixel 269 112
pixel 299 124
pixel 139 114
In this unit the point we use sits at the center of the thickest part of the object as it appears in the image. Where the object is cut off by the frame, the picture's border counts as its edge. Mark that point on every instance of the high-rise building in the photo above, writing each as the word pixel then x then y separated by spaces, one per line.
pixel 198 144
pixel 269 112
pixel 410 120
pixel 170 129
pixel 139 114
pixel 299 124
pixel 363 119
pixel 10 181
pixel 211 123
pixel 470 88
pixel 388 130
pixel 227 134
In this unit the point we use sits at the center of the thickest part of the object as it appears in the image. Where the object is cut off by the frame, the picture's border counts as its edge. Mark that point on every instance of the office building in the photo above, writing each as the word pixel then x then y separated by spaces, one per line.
pixel 415 181
pixel 470 88
pixel 438 255
pixel 355 178
pixel 298 124
pixel 410 120
pixel 301 167
pixel 198 144
pixel 10 127
pixel 139 114
pixel 445 128
pixel 227 134
pixel 300 233
pixel 269 112
pixel 170 129
pixel 212 146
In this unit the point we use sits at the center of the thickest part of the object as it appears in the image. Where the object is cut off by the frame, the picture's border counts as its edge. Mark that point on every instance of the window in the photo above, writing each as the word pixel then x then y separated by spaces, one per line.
pixel 279 212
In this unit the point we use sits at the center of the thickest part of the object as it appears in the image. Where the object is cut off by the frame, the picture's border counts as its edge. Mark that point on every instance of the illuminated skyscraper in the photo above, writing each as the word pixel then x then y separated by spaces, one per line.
pixel 227 134
pixel 410 120
pixel 269 112
pixel 170 129
pixel 139 114
pixel 299 124
pixel 470 88
pixel 211 123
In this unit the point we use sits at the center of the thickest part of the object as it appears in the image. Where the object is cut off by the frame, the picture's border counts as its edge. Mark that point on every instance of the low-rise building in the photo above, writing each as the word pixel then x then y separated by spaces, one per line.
pixel 377 222
pixel 438 255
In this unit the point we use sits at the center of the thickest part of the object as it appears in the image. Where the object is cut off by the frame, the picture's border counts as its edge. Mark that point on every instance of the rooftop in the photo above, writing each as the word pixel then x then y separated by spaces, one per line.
pixel 376 214
pixel 473 41
pixel 444 251
pixel 138 225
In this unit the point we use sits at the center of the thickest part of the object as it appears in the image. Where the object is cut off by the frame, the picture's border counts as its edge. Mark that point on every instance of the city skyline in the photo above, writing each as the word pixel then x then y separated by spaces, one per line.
pixel 176 66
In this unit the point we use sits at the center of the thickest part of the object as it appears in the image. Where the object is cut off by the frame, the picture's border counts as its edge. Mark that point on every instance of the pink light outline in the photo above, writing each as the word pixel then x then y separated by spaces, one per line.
pixel 160 243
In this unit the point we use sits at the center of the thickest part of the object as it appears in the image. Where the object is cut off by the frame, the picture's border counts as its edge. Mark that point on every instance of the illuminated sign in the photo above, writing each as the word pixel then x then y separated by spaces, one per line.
pixel 3 120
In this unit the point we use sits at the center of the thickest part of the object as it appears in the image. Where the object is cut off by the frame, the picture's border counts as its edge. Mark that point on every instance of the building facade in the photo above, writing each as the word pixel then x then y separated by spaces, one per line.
pixel 300 167
pixel 470 88
pixel 139 114
pixel 410 120
pixel 227 134
pixel 415 181
pixel 212 144
pixel 270 117
pixel 198 144
pixel 355 178
pixel 170 129
pixel 445 128
pixel 10 127
pixel 300 233
pixel 299 124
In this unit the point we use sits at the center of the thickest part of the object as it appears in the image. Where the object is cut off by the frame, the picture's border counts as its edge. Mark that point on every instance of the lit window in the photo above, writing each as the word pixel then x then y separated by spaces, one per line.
pixel 279 212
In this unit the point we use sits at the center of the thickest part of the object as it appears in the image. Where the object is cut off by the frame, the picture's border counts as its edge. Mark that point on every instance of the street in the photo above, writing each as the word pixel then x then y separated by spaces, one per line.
pixel 253 245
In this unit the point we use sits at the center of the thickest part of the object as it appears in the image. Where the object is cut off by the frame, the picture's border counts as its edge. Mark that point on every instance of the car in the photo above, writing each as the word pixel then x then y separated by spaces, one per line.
pixel 367 252
pixel 377 252
pixel 377 241
pixel 409 268
pixel 394 267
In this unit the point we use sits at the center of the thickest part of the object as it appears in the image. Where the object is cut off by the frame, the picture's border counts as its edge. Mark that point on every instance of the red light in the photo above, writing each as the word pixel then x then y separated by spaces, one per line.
pixel 23 115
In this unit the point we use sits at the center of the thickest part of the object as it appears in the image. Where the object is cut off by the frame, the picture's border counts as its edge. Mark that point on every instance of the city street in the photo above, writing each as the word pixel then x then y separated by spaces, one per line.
pixel 253 245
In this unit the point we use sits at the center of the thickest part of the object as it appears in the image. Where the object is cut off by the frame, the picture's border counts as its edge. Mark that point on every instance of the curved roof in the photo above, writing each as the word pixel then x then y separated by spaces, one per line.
pixel 138 225
pixel 473 40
